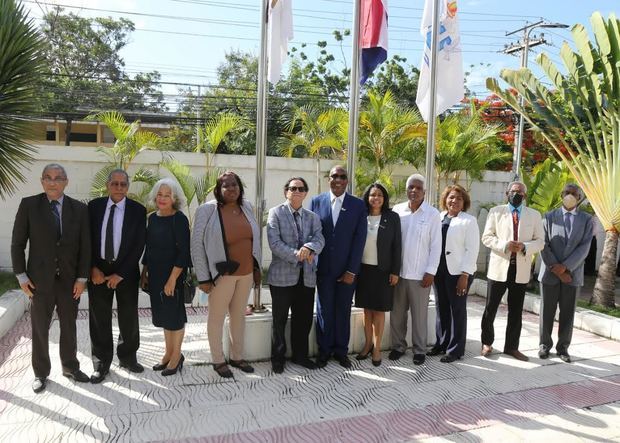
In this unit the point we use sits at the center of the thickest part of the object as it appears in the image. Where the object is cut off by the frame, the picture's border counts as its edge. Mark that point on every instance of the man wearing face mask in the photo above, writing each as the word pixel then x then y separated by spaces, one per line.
pixel 568 234
pixel 513 233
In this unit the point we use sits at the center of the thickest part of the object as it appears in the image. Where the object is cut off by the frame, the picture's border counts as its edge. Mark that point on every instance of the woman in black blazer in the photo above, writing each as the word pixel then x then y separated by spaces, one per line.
pixel 378 275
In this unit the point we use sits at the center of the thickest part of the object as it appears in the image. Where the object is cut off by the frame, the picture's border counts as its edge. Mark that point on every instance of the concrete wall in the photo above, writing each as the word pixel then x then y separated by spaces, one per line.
pixel 83 162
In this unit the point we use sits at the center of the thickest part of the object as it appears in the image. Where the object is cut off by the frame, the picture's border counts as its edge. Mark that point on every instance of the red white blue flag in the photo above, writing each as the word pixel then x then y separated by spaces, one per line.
pixel 373 36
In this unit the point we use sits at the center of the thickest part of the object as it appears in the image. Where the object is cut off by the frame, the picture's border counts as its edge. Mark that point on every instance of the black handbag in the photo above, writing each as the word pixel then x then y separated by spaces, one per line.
pixel 188 286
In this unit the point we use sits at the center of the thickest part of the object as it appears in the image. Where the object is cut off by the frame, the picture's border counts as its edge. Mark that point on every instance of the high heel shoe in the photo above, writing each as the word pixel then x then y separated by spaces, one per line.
pixel 172 371
pixel 161 366
pixel 361 356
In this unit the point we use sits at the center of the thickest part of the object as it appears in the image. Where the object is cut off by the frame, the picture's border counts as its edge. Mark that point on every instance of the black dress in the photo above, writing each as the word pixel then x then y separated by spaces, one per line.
pixel 167 245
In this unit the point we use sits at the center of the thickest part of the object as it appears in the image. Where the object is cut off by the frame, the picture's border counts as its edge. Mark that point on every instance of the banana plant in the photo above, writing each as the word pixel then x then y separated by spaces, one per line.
pixel 545 186
pixel 580 118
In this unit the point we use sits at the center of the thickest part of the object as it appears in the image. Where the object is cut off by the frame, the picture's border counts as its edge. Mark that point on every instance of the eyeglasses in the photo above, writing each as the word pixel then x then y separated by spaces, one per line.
pixel 340 176
pixel 48 179
pixel 119 184
pixel 297 188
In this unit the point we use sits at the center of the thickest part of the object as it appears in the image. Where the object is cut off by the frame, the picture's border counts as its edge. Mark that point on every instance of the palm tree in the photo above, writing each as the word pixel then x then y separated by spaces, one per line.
pixel 130 141
pixel 581 120
pixel 466 144
pixel 386 133
pixel 319 133
pixel 21 64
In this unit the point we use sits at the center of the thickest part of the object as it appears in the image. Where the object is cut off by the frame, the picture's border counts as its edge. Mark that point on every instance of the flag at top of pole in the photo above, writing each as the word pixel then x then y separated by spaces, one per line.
pixel 450 84
pixel 373 36
pixel 280 19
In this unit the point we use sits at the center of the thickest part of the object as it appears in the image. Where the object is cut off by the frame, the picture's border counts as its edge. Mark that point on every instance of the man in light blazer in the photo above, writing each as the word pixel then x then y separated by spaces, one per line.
pixel 343 220
pixel 513 233
pixel 55 228
pixel 295 239
pixel 568 234
pixel 118 234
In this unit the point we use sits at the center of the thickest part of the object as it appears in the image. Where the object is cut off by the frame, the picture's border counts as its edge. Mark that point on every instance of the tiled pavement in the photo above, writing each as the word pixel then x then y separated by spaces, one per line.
pixel 475 399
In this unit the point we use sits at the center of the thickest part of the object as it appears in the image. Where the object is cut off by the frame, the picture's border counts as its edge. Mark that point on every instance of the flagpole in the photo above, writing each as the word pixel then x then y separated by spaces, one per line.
pixel 431 192
pixel 354 97
pixel 261 137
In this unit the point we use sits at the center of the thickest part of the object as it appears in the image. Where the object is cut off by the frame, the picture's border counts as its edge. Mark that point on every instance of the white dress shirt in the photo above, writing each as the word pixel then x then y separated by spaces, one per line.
pixel 421 233
pixel 119 215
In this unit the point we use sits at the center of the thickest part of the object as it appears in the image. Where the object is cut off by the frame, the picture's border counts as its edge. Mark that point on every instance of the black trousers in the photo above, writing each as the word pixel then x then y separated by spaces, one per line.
pixel 516 294
pixel 451 319
pixel 552 296
pixel 100 299
pixel 300 300
pixel 59 296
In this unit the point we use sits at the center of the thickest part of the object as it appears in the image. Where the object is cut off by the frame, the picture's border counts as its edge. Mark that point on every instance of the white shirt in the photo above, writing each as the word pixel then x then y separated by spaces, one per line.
pixel 119 215
pixel 336 204
pixel 421 234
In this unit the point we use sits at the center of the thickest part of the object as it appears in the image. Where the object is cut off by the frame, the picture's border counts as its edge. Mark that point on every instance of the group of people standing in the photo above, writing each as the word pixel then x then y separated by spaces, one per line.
pixel 342 248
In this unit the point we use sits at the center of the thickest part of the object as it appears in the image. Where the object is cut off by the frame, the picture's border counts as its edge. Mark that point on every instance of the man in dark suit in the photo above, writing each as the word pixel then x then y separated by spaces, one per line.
pixel 343 220
pixel 568 235
pixel 118 232
pixel 56 228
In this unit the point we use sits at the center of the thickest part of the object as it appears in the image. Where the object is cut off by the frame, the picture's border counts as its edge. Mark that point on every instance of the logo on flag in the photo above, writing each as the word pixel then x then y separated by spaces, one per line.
pixel 373 36
pixel 450 80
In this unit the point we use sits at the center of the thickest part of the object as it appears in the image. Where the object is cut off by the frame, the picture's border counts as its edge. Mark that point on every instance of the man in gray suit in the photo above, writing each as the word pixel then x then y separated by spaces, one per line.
pixel 568 234
pixel 295 238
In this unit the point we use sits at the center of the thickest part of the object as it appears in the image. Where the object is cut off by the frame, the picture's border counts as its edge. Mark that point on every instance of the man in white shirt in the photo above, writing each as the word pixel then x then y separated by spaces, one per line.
pixel 421 234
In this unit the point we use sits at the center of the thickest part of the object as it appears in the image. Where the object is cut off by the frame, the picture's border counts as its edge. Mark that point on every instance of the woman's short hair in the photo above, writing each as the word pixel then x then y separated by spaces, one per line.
pixel 217 191
pixel 461 190
pixel 178 198
pixel 386 196
pixel 301 179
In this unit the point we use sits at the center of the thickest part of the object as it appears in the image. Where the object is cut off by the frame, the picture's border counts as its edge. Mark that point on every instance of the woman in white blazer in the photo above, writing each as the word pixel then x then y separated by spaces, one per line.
pixel 459 253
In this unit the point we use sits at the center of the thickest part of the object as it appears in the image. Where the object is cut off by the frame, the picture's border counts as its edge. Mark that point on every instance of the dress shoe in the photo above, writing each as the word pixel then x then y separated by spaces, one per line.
pixel 277 367
pixel 516 354
pixel 449 358
pixel 98 376
pixel 321 361
pixel 132 366
pixel 364 356
pixel 77 375
pixel 435 351
pixel 243 365
pixel 161 366
pixel 343 360
pixel 223 370
pixel 171 371
pixel 564 357
pixel 38 385
pixel 395 354
pixel 419 359
pixel 543 353
pixel 376 362
pixel 306 363
pixel 486 350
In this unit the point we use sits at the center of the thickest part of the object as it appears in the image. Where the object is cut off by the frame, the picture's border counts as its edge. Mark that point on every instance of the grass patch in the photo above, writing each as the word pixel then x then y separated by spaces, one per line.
pixel 7 282
pixel 614 312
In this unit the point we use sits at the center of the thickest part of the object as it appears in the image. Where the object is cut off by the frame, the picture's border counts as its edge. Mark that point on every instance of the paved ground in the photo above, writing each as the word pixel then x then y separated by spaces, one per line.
pixel 475 399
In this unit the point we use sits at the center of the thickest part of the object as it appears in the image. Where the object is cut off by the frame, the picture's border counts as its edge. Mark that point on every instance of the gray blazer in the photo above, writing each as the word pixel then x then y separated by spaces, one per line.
pixel 571 253
pixel 207 244
pixel 282 237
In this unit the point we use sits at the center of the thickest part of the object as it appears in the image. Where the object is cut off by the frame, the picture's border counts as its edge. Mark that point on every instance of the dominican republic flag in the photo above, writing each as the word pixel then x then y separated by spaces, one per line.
pixel 450 80
pixel 280 20
pixel 373 36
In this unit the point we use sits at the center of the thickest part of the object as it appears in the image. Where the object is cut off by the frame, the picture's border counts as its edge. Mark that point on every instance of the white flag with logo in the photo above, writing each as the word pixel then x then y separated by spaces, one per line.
pixel 450 80
pixel 280 32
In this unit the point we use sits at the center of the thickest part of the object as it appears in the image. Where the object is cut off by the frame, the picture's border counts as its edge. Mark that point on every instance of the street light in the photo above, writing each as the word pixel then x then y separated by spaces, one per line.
pixel 516 164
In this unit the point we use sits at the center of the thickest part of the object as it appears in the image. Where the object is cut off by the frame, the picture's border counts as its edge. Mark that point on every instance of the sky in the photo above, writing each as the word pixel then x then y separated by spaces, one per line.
pixel 185 40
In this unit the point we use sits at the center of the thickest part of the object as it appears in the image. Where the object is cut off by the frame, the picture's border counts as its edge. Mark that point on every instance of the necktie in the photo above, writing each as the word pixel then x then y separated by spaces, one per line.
pixel 568 224
pixel 109 236
pixel 335 210
pixel 300 239
pixel 54 204
pixel 515 232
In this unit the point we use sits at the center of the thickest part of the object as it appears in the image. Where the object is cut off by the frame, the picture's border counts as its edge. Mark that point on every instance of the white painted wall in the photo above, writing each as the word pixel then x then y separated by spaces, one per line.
pixel 82 163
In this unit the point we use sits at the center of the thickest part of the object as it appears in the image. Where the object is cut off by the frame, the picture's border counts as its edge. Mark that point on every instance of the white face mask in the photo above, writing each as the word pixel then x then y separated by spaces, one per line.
pixel 569 201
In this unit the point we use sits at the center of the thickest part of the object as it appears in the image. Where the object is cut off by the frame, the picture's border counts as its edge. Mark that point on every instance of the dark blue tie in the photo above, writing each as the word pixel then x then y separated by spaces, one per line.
pixel 567 223
pixel 300 238
pixel 54 204
pixel 109 236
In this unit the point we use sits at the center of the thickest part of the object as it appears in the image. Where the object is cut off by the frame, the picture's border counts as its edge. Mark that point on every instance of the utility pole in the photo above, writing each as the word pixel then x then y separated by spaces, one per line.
pixel 524 46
